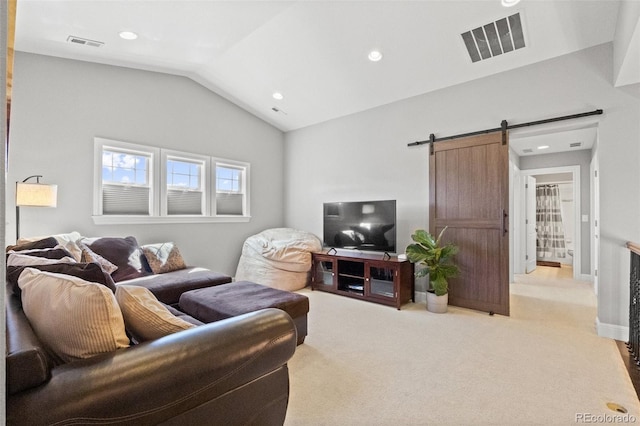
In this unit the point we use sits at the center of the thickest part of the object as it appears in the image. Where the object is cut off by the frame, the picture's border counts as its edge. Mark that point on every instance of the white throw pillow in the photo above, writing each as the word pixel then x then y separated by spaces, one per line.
pixel 73 317
pixel 67 240
pixel 145 316
pixel 19 259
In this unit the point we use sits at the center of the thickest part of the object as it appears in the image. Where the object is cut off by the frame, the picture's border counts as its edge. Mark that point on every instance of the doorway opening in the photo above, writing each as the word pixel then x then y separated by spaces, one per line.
pixel 564 246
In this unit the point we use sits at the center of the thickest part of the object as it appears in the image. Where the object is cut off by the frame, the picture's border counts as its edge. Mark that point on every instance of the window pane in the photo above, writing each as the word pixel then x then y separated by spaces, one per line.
pixel 228 179
pixel 183 174
pixel 124 176
pixel 124 168
pixel 180 180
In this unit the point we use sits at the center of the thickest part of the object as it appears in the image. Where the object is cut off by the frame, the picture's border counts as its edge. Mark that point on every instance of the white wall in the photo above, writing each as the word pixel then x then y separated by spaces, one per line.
pixel 365 155
pixel 59 106
pixel 625 42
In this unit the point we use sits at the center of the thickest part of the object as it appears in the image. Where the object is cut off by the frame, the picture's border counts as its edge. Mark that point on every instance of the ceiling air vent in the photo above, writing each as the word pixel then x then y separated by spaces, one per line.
pixel 575 144
pixel 85 41
pixel 495 38
pixel 527 150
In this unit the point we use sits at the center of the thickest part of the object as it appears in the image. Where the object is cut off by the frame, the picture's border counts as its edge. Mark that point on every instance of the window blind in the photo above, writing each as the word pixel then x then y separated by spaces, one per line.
pixel 184 202
pixel 122 199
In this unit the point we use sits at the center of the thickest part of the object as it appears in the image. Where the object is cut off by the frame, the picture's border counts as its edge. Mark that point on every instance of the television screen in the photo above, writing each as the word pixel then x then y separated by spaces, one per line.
pixel 362 225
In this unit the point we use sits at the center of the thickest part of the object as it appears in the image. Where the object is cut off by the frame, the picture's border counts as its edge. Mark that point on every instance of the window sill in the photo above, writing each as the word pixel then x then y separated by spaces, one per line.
pixel 154 220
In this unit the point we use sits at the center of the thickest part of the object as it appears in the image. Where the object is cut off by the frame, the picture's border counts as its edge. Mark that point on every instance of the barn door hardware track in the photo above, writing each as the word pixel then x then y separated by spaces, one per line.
pixel 504 126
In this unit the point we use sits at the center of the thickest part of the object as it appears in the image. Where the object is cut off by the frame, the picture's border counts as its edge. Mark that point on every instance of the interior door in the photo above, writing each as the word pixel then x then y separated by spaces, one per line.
pixel 530 223
pixel 469 194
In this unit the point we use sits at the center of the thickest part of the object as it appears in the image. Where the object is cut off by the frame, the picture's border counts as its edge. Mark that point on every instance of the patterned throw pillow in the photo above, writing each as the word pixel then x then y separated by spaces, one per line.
pixel 76 319
pixel 144 316
pixel 89 256
pixel 163 257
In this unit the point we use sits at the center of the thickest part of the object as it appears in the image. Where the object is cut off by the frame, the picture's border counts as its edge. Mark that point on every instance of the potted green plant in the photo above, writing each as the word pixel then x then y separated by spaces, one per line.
pixel 437 261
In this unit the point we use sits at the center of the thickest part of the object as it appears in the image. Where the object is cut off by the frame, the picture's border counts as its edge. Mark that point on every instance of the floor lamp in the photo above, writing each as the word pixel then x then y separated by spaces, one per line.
pixel 34 195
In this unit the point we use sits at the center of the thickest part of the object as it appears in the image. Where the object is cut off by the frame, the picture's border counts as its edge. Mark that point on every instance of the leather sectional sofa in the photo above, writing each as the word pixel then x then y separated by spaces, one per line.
pixel 232 371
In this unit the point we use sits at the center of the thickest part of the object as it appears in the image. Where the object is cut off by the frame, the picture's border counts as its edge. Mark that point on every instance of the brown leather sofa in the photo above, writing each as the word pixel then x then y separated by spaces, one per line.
pixel 231 372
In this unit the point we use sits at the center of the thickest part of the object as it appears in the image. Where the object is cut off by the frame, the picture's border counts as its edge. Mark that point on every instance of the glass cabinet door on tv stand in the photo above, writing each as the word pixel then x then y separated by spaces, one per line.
pixel 323 274
pixel 372 277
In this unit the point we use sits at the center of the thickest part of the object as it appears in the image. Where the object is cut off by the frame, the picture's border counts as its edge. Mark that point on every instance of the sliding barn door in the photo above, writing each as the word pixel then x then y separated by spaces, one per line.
pixel 469 193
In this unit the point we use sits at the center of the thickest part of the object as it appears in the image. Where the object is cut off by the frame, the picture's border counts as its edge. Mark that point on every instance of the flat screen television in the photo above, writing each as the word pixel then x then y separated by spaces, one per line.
pixel 360 225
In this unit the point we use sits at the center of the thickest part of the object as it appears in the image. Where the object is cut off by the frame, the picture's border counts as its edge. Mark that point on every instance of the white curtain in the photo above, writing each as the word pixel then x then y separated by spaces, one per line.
pixel 550 242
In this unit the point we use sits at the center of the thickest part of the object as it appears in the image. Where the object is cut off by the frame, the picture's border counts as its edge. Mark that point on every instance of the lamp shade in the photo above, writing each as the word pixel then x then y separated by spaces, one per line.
pixel 36 194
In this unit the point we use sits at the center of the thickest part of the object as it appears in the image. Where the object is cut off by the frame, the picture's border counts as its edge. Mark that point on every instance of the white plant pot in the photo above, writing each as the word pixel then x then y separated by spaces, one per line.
pixel 437 304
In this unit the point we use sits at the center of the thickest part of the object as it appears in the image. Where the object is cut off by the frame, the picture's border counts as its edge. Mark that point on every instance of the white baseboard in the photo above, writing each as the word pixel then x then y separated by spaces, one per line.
pixel 586 277
pixel 612 331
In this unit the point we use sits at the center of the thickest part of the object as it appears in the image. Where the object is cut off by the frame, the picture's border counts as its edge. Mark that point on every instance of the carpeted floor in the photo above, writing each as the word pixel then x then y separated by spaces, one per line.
pixel 367 364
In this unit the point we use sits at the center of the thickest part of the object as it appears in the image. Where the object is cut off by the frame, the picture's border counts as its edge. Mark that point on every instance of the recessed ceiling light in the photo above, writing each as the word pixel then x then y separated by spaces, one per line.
pixel 375 55
pixel 128 35
pixel 543 147
pixel 509 3
pixel 278 96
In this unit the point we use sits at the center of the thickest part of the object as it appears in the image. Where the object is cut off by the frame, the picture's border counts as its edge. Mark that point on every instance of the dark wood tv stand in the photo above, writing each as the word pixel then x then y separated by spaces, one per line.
pixel 378 278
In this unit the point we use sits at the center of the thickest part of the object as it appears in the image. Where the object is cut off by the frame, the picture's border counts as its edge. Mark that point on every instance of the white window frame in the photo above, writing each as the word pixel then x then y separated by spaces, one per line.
pixel 245 167
pixel 158 186
pixel 100 145
pixel 166 155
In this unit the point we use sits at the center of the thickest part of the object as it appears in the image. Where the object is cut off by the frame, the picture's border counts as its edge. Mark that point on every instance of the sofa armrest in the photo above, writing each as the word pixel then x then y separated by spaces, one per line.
pixel 161 380
pixel 26 361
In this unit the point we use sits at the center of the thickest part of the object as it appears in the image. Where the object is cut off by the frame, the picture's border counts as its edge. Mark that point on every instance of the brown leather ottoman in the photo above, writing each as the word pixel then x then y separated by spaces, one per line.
pixel 229 300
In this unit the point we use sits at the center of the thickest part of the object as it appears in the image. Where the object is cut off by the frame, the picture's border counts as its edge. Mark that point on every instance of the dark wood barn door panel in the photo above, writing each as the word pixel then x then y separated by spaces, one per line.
pixel 469 181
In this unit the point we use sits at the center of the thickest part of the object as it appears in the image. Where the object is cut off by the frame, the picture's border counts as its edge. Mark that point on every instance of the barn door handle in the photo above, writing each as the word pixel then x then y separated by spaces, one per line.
pixel 505 222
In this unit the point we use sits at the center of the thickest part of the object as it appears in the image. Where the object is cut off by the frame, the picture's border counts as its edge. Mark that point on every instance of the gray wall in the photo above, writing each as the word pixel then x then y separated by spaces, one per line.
pixel 59 106
pixel 365 155
pixel 580 158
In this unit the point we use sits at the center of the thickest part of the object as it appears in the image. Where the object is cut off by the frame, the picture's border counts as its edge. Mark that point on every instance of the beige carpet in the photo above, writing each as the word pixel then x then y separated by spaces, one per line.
pixel 367 364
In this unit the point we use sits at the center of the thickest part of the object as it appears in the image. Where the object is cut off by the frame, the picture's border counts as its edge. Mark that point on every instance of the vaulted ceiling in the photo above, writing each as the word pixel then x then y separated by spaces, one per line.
pixel 312 52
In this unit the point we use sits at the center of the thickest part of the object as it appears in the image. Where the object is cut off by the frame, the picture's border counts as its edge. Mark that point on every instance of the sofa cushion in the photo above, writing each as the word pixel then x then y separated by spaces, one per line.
pixel 169 286
pixel 144 316
pixel 87 271
pixel 163 257
pixel 74 318
pixel 188 318
pixel 122 252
